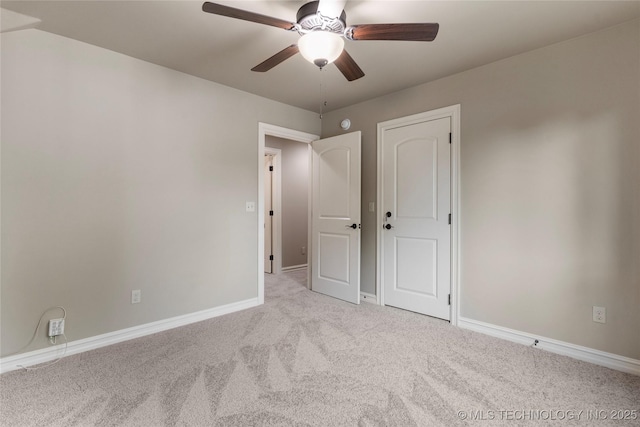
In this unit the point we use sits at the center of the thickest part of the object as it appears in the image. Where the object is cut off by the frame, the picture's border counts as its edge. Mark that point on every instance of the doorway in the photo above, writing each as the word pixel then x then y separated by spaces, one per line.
pixel 287 180
pixel 332 262
pixel 265 130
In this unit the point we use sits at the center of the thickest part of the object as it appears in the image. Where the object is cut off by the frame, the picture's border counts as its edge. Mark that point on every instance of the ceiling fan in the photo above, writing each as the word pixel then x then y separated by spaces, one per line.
pixel 323 28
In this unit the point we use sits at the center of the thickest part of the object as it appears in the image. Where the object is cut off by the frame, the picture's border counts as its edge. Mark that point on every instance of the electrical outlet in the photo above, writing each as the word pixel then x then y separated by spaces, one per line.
pixel 136 296
pixel 303 250
pixel 251 206
pixel 599 314
pixel 56 327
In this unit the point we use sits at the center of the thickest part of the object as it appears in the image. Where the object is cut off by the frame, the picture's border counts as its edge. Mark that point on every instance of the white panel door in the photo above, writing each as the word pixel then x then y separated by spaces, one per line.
pixel 335 262
pixel 416 203
pixel 268 219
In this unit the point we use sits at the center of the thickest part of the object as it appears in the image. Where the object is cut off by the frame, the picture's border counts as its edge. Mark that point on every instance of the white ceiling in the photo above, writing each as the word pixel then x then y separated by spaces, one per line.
pixel 178 35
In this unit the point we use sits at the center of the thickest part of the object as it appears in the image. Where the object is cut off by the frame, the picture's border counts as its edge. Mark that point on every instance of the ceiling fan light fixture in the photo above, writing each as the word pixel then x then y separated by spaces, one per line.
pixel 321 47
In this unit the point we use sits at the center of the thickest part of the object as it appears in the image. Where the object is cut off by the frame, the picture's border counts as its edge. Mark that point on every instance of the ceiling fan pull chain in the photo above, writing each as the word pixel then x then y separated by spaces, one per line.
pixel 323 102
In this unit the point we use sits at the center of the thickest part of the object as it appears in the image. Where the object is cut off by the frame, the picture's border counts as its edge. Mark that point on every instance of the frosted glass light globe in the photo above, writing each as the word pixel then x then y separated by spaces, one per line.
pixel 321 47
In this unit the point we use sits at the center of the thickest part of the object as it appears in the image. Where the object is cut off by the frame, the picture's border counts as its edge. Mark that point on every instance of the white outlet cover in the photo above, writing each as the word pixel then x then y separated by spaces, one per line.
pixel 56 327
pixel 136 296
pixel 599 314
pixel 251 206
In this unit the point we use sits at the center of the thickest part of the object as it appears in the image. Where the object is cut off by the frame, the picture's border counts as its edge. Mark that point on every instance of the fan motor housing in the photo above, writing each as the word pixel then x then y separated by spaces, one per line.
pixel 310 20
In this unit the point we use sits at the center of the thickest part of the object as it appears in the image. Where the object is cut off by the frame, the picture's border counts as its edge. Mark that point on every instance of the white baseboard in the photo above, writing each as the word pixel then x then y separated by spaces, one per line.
pixel 294 267
pixel 586 354
pixel 11 363
pixel 367 297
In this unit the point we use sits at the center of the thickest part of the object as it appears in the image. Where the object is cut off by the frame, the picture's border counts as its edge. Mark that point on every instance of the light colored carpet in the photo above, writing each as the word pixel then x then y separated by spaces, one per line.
pixel 307 359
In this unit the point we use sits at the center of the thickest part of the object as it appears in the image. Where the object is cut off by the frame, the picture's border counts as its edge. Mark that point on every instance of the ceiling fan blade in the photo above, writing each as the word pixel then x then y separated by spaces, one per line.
pixel 232 12
pixel 331 8
pixel 409 32
pixel 279 57
pixel 348 67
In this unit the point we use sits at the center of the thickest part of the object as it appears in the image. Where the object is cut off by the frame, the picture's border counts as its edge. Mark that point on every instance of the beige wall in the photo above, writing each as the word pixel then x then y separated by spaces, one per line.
pixel 118 175
pixel 294 198
pixel 550 172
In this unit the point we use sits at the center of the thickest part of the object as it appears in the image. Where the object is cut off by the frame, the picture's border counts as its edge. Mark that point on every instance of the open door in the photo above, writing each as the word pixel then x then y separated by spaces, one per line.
pixel 335 223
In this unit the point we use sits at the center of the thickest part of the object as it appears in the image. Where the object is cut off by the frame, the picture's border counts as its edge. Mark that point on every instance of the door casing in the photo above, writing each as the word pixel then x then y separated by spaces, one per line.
pixel 452 112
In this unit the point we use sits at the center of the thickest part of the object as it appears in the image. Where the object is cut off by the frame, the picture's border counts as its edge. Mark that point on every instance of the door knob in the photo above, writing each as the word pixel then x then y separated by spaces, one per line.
pixel 354 226
pixel 388 226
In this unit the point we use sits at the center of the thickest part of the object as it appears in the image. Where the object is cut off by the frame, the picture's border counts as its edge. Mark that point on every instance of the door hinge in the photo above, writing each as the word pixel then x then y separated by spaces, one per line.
pixel 270 168
pixel 449 299
pixel 270 257
pixel 450 137
pixel 449 219
pixel 271 214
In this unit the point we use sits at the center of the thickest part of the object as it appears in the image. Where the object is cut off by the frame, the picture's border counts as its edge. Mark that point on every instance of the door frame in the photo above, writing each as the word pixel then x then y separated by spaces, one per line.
pixel 265 129
pixel 276 204
pixel 452 112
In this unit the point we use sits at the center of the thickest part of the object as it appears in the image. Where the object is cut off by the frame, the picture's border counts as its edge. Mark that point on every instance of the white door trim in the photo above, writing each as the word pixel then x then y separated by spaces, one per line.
pixel 276 204
pixel 265 129
pixel 453 112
